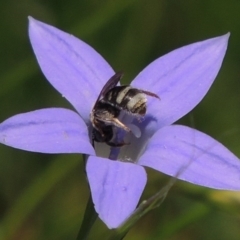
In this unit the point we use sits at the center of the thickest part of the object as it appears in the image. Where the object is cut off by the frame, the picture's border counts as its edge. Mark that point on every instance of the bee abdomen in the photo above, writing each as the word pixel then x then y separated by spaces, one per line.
pixel 136 103
pixel 116 95
pixel 127 99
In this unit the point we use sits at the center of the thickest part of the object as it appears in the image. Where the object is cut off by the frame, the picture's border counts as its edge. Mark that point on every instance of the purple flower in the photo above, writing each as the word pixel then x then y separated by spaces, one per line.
pixel 181 79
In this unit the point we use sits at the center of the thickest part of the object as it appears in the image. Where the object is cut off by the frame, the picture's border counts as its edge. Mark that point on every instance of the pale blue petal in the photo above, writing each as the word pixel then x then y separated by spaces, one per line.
pixel 74 68
pixel 116 188
pixel 52 130
pixel 192 156
pixel 181 78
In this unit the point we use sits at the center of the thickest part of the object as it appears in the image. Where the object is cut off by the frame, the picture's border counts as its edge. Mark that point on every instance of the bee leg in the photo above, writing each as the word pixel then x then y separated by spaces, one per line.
pixel 119 124
pixel 93 142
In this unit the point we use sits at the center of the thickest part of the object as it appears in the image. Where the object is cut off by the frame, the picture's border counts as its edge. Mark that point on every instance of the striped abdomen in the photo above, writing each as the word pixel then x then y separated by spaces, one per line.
pixel 126 98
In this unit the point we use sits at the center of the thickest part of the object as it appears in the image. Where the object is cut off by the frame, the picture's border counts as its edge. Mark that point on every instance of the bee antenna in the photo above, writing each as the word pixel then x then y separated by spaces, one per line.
pixel 150 94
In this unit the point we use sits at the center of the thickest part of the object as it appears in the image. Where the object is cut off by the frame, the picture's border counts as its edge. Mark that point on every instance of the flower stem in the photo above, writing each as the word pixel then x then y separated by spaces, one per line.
pixel 89 218
pixel 90 214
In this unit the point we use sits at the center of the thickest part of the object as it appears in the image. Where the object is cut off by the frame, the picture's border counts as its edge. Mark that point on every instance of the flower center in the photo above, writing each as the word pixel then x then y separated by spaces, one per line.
pixel 135 140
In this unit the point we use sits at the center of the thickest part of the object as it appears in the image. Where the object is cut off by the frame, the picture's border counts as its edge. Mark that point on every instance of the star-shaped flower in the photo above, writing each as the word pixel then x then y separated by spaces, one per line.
pixel 181 78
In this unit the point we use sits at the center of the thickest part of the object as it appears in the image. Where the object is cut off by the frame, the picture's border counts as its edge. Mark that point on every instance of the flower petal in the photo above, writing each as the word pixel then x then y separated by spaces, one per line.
pixel 53 130
pixel 194 156
pixel 181 78
pixel 74 68
pixel 116 188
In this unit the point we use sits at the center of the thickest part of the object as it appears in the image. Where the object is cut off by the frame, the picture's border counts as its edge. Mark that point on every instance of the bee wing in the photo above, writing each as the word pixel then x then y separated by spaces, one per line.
pixel 111 83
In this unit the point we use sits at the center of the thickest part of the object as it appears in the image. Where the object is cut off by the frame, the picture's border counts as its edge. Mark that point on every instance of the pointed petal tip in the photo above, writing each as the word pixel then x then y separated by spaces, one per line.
pixel 31 20
pixel 228 34
pixel 225 37
pixel 32 24
pixel 222 41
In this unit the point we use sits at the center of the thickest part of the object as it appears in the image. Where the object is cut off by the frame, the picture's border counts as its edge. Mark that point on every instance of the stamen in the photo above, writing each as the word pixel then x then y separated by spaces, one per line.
pixel 134 129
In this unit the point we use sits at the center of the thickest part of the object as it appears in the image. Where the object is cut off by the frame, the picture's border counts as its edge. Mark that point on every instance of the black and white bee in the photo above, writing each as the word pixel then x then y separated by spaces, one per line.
pixel 110 102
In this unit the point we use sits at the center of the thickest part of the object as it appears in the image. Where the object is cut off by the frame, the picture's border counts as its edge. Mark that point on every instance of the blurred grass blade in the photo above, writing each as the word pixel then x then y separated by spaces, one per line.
pixel 190 216
pixel 138 44
pixel 89 218
pixel 103 16
pixel 27 68
pixel 18 74
pixel 34 194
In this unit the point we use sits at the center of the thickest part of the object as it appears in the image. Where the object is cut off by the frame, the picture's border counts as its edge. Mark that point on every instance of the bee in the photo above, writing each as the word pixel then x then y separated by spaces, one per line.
pixel 108 106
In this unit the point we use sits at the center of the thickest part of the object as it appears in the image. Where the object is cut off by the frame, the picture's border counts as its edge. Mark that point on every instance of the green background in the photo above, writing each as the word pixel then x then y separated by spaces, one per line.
pixel 44 196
